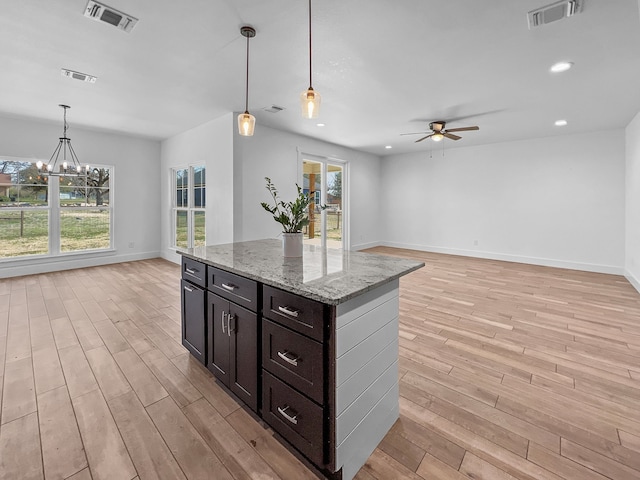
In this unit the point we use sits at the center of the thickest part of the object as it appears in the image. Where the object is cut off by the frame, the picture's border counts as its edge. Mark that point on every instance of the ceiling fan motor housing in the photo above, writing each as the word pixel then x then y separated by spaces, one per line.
pixel 437 126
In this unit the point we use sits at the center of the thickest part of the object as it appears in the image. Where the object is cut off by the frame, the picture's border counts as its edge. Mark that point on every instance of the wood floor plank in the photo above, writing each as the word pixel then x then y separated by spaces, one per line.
pixel 143 382
pixel 106 371
pixel 382 466
pixel 192 453
pixel 237 456
pixel 563 466
pixel 63 333
pixel 151 456
pixel 432 468
pixel 597 462
pixel 205 382
pixel 77 373
pixel 18 393
pixel 81 475
pixel 135 337
pixel 111 336
pixel 174 382
pixel 271 450
pixel 106 452
pixel 20 456
pixel 479 469
pixel 62 450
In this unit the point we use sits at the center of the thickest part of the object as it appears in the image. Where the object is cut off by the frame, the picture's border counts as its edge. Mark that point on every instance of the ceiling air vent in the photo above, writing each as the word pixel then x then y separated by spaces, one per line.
pixel 555 11
pixel 78 76
pixel 103 13
pixel 273 109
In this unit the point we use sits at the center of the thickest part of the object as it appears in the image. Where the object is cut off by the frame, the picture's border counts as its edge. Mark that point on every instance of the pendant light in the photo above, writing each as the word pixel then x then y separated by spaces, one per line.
pixel 69 166
pixel 310 99
pixel 246 121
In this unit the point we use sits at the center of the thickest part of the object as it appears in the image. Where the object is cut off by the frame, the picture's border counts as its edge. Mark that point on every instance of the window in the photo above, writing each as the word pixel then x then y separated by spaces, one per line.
pixel 325 179
pixel 189 201
pixel 42 215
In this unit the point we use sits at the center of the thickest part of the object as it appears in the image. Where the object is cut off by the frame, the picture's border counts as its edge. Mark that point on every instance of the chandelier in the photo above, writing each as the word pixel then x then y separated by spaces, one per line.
pixel 67 164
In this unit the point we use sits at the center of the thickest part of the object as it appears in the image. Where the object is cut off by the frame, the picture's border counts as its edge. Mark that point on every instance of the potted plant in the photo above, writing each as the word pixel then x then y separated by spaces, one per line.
pixel 293 216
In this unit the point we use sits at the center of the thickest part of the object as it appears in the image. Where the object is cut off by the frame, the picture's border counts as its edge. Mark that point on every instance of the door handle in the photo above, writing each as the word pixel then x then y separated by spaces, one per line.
pixel 289 357
pixel 229 286
pixel 229 328
pixel 222 319
pixel 288 311
pixel 190 290
pixel 189 270
pixel 283 411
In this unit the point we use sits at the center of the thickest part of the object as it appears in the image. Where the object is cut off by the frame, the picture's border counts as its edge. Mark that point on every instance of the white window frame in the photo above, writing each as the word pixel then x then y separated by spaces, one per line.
pixel 53 208
pixel 190 208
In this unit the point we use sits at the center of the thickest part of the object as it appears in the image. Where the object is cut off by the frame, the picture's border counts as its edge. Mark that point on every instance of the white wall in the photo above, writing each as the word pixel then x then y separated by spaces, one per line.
pixel 552 201
pixel 274 153
pixel 135 188
pixel 210 144
pixel 632 264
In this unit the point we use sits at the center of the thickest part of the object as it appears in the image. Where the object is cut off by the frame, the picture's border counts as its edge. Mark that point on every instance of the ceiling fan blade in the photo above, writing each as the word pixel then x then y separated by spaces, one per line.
pixel 451 136
pixel 462 129
pixel 416 133
pixel 424 138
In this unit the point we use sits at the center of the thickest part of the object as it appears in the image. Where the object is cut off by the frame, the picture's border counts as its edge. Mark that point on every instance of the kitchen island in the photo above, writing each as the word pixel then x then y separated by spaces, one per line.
pixel 309 344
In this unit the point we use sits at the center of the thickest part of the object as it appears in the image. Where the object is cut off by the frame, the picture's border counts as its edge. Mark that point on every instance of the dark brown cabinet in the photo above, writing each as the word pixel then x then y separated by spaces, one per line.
pixel 193 311
pixel 233 347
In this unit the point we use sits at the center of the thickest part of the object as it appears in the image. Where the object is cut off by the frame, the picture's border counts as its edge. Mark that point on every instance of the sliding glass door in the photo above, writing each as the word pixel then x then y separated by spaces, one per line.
pixel 325 180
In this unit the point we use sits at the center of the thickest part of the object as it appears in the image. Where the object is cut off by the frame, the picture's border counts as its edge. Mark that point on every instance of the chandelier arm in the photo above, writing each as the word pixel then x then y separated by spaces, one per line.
pixel 74 157
pixel 56 153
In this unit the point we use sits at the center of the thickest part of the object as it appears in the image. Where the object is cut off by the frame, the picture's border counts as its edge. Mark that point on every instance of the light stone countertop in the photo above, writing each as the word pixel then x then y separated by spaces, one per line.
pixel 330 276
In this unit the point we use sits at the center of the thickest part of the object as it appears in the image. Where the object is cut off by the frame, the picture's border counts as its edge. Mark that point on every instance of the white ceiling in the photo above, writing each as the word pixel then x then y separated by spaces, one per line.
pixel 383 67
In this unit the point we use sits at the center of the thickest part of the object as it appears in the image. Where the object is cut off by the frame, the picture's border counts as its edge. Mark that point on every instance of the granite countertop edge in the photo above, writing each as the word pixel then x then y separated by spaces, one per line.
pixel 330 297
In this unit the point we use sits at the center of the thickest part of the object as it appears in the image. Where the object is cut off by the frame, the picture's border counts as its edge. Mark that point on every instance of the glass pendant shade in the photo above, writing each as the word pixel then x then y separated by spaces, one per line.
pixel 246 124
pixel 437 137
pixel 310 103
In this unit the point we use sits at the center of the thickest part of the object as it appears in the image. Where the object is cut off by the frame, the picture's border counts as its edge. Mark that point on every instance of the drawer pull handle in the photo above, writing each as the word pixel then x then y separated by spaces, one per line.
pixel 288 311
pixel 190 290
pixel 222 318
pixel 191 271
pixel 283 412
pixel 229 287
pixel 289 358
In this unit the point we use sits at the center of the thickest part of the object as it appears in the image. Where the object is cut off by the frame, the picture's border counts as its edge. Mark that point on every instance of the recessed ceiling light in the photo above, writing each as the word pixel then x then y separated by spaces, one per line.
pixel 560 123
pixel 561 67
pixel 388 147
pixel 320 124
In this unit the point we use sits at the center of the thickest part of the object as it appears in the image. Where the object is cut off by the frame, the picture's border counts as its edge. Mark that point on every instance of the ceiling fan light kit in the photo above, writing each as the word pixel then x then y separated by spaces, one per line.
pixel 439 133
pixel 246 121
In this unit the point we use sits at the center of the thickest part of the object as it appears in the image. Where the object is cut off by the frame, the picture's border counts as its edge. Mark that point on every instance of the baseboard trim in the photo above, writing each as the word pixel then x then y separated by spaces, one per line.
pixel 363 246
pixel 56 264
pixel 632 280
pixel 545 262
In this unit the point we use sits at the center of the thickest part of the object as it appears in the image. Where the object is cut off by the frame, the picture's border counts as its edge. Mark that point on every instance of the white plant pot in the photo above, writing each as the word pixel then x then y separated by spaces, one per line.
pixel 292 244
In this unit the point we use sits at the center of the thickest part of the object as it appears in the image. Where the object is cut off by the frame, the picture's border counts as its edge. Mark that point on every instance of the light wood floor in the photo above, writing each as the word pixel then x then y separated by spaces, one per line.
pixel 506 371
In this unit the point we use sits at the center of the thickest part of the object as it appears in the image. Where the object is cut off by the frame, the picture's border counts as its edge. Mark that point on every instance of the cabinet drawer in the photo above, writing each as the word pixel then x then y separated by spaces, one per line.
pixel 233 287
pixel 298 313
pixel 293 416
pixel 194 271
pixel 293 358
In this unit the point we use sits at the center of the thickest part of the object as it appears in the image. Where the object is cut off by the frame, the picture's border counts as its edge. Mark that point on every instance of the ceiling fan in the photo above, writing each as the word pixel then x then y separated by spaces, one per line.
pixel 438 132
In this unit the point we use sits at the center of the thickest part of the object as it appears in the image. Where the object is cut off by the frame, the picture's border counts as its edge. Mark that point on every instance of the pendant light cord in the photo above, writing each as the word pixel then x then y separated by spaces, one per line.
pixel 246 92
pixel 310 69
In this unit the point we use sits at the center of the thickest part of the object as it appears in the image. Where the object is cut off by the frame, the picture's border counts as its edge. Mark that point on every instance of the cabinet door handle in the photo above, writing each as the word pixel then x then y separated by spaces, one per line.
pixel 289 358
pixel 283 411
pixel 229 318
pixel 288 311
pixel 222 318
pixel 229 286
pixel 190 290
pixel 189 270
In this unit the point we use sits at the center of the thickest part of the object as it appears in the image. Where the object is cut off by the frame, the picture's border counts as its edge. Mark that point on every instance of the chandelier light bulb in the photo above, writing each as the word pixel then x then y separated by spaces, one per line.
pixel 246 124
pixel 39 165
pixel 437 137
pixel 310 102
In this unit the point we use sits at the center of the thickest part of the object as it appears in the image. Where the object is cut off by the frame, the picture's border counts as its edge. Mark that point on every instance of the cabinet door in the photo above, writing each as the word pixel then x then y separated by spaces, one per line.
pixel 219 339
pixel 193 320
pixel 244 355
